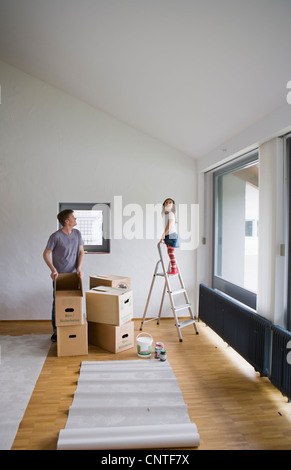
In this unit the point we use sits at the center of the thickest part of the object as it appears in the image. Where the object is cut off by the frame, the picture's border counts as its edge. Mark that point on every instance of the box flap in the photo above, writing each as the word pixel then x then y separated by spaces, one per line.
pixel 109 276
pixel 109 290
pixel 105 289
pixel 100 276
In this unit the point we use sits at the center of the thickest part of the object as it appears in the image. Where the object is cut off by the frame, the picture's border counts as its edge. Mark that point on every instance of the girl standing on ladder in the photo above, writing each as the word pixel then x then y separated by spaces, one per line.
pixel 170 236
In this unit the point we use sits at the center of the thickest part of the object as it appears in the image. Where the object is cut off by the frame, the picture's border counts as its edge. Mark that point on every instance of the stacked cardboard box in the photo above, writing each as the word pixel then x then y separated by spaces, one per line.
pixel 72 328
pixel 109 307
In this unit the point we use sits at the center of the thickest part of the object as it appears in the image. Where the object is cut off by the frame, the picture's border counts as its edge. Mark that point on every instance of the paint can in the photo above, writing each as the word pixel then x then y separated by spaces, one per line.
pixel 163 355
pixel 159 346
pixel 144 345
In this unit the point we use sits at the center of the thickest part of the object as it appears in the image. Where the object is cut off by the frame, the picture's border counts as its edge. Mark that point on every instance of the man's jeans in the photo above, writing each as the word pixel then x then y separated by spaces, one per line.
pixel 54 311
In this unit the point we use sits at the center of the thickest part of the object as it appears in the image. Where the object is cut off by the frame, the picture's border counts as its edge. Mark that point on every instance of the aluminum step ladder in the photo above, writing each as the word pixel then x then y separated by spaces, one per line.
pixel 172 294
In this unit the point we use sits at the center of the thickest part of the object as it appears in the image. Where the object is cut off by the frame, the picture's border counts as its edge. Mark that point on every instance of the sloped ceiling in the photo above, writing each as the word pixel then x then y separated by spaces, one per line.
pixel 191 73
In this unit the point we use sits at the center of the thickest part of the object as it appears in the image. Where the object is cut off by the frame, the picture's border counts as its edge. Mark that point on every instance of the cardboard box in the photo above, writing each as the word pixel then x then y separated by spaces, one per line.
pixel 111 280
pixel 72 340
pixel 112 338
pixel 68 299
pixel 109 305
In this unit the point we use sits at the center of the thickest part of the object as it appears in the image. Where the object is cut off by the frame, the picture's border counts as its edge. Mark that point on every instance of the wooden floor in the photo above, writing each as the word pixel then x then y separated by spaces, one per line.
pixel 232 406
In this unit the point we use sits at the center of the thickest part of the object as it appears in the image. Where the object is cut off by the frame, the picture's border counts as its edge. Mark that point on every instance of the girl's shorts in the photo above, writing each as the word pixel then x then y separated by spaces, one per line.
pixel 172 240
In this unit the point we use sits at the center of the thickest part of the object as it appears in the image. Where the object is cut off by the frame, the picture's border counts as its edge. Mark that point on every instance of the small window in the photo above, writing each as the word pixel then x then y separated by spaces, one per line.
pixel 93 221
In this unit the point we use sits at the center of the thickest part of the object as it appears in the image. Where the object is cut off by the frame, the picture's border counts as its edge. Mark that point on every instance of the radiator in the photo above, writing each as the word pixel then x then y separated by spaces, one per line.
pixel 244 330
pixel 281 360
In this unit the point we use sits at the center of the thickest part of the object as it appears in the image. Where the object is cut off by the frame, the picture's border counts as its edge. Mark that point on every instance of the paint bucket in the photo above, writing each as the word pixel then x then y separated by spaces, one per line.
pixel 144 345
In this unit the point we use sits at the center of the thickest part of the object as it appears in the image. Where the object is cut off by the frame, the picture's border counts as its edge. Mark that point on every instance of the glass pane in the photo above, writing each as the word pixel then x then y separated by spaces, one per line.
pixel 89 222
pixel 236 227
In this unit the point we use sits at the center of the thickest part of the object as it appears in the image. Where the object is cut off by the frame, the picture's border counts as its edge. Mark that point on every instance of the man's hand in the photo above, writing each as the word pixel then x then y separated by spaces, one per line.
pixel 79 273
pixel 54 275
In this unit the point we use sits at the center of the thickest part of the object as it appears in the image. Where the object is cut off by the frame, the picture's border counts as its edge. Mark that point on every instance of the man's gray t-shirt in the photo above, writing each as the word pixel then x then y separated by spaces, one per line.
pixel 65 250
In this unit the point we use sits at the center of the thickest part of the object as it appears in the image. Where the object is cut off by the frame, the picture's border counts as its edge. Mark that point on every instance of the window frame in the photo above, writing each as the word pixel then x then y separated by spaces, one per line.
pixel 105 207
pixel 239 293
pixel 287 158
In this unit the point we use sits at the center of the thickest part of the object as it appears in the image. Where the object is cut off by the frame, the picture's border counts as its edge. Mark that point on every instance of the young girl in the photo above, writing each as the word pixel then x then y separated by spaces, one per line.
pixel 170 236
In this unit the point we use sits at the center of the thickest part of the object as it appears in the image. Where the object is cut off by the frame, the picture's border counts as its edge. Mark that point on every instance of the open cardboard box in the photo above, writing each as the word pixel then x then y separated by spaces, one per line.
pixel 68 299
pixel 110 280
pixel 109 305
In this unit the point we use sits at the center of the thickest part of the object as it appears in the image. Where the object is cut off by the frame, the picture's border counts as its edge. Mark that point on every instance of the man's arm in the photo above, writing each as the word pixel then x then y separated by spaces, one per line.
pixel 47 258
pixel 80 261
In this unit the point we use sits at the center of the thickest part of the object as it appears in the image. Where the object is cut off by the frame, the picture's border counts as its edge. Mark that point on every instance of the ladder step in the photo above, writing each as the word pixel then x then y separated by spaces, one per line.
pixel 186 322
pixel 162 274
pixel 180 291
pixel 182 307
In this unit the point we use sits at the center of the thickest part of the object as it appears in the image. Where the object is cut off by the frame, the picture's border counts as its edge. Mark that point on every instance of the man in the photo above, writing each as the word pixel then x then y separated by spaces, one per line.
pixel 66 247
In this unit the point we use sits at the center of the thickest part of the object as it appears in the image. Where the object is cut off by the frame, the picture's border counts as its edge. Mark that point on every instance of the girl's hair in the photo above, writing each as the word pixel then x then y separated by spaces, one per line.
pixel 173 208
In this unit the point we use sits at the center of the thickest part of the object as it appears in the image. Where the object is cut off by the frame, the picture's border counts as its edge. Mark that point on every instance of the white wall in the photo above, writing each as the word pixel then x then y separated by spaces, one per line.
pixel 54 148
